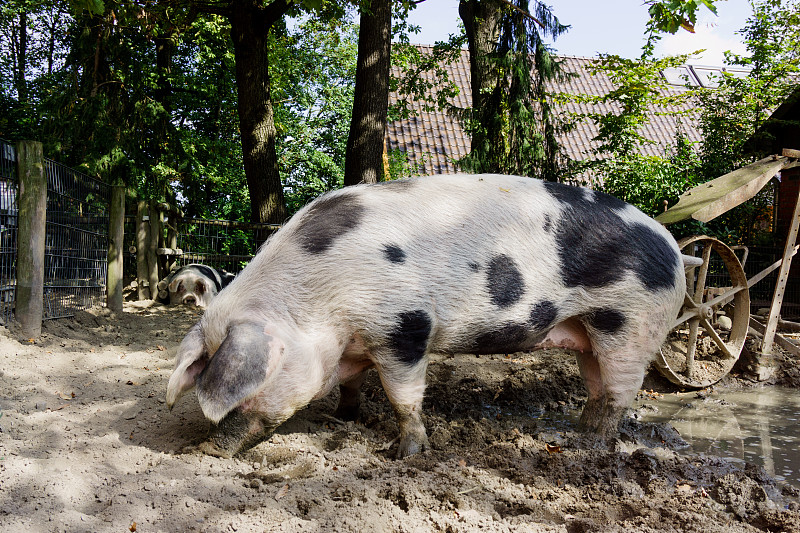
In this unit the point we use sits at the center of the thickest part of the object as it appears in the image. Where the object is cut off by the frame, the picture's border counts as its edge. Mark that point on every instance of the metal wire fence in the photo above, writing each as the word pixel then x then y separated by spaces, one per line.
pixel 76 244
pixel 8 230
pixel 76 240
pixel 222 244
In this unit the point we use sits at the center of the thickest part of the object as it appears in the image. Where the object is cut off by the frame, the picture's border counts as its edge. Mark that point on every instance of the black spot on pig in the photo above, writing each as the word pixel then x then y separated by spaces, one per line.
pixel 508 338
pixel 597 247
pixel 474 267
pixel 606 320
pixel 393 253
pixel 409 339
pixel 209 273
pixel 543 314
pixel 565 193
pixel 504 281
pixel 329 218
pixel 548 223
pixel 569 194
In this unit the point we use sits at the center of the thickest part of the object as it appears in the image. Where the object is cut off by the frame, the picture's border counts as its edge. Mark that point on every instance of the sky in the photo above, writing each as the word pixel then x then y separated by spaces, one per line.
pixel 611 27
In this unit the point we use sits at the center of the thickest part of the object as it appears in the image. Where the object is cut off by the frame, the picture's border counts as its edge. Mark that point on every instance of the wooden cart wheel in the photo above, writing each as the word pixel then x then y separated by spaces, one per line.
pixel 711 328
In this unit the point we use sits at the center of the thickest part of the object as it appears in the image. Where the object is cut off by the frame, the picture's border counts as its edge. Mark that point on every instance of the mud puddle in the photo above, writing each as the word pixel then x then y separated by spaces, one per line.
pixel 759 426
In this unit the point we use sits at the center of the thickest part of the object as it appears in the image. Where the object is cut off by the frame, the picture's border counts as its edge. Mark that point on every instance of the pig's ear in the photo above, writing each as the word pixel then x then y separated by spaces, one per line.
pixel 189 363
pixel 245 360
pixel 173 286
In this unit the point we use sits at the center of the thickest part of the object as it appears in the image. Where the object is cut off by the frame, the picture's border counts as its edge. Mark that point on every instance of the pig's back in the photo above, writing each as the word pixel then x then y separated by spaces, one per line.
pixel 462 248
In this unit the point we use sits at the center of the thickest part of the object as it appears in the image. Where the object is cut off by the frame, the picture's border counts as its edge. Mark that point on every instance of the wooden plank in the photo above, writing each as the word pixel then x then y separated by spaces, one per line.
pixel 780 340
pixel 709 200
pixel 788 152
pixel 783 278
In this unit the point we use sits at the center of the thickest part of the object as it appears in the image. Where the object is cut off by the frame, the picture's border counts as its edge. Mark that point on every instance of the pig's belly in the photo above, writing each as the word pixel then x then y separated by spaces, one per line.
pixel 569 334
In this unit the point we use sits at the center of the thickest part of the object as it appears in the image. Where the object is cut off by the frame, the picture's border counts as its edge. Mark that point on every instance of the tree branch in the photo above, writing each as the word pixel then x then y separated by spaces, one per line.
pixel 276 10
pixel 523 12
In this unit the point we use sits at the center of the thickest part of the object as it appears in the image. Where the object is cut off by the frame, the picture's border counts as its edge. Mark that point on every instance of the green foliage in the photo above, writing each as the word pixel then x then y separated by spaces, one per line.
pixel 734 114
pixel 732 120
pixel 619 166
pixel 515 130
pixel 171 130
pixel 313 71
pixel 671 15
pixel 648 181
pixel 400 166
pixel 640 92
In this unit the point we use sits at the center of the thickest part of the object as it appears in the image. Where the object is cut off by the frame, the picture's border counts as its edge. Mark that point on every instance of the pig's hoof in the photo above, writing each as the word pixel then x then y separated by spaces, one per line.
pixel 410 445
pixel 348 413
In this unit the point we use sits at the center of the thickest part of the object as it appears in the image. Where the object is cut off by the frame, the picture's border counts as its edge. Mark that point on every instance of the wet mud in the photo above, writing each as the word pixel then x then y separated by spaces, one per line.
pixel 87 444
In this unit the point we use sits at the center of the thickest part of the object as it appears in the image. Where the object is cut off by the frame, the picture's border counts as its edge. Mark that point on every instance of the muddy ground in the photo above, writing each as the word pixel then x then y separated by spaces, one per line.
pixel 87 444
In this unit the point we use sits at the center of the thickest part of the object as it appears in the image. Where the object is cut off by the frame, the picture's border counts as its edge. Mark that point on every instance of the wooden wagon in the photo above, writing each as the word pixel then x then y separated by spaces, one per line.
pixel 709 334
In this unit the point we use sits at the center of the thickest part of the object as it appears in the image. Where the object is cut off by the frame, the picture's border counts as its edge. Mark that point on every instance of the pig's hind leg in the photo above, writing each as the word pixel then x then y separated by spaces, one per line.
pixel 592 380
pixel 622 348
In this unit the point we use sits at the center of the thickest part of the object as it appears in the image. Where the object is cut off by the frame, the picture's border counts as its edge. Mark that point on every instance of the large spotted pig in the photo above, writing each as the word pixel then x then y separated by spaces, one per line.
pixel 382 275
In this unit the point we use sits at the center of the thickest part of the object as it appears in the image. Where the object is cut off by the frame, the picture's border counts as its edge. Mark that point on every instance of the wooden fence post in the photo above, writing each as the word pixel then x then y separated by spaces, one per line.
pixel 152 248
pixel 172 237
pixel 116 235
pixel 31 237
pixel 142 243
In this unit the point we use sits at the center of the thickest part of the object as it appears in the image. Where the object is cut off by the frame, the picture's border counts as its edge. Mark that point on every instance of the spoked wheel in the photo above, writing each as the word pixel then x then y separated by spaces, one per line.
pixel 711 328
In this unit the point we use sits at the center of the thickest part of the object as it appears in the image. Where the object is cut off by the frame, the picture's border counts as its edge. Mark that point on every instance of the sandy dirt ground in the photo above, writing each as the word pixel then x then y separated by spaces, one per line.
pixel 87 444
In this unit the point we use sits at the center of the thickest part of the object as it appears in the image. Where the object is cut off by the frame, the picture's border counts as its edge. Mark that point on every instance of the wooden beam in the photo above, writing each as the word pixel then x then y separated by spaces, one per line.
pixel 788 152
pixel 783 278
pixel 709 200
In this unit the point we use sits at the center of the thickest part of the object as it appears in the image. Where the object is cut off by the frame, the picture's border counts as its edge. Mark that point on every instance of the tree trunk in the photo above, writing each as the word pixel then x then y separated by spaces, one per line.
pixel 250 24
pixel 22 59
pixel 481 20
pixel 364 155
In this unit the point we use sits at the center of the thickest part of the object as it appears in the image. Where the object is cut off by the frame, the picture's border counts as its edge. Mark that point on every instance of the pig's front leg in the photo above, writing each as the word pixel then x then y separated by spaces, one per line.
pixel 405 388
pixel 350 398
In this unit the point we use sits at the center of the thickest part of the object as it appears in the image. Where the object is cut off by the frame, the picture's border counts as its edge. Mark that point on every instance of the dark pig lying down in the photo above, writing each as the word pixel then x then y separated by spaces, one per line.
pixel 379 276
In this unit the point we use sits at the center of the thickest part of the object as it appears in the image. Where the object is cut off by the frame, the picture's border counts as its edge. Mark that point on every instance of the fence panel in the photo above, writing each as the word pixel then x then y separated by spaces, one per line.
pixel 76 245
pixel 222 244
pixel 8 230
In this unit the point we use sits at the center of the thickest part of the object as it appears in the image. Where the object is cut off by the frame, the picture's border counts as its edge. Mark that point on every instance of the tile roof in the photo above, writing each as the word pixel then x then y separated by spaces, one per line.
pixel 433 140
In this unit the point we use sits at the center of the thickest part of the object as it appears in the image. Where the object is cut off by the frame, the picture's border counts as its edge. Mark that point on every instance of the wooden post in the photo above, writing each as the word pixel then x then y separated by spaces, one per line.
pixel 152 247
pixel 780 286
pixel 172 238
pixel 116 235
pixel 31 237
pixel 142 243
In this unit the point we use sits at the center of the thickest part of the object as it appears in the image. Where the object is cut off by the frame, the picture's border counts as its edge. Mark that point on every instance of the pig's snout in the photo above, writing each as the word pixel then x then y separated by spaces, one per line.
pixel 189 299
pixel 237 433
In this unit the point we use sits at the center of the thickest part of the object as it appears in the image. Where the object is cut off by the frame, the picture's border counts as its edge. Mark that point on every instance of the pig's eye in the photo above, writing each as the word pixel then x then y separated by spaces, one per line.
pixel 199 287
pixel 180 287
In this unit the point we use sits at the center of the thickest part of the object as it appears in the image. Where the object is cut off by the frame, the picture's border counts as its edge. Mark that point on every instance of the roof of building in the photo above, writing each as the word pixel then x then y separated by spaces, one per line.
pixel 434 140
